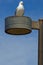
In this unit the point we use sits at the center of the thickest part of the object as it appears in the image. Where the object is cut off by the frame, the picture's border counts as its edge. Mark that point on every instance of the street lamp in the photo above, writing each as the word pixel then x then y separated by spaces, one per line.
pixel 18 25
pixel 24 25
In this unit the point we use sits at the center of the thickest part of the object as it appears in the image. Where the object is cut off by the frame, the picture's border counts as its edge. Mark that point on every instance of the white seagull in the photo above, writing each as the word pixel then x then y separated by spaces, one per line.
pixel 20 9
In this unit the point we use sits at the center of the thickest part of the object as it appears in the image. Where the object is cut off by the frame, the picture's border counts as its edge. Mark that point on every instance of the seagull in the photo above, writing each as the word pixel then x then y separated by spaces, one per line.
pixel 20 9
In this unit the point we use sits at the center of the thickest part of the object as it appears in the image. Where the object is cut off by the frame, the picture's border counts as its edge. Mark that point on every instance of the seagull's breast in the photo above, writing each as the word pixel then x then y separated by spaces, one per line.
pixel 20 11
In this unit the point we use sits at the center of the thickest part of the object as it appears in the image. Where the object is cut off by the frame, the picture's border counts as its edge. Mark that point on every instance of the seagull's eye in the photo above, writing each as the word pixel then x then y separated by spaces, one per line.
pixel 21 3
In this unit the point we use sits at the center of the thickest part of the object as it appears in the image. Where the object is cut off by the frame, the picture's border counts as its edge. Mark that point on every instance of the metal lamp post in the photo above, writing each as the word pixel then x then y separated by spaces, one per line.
pixel 24 25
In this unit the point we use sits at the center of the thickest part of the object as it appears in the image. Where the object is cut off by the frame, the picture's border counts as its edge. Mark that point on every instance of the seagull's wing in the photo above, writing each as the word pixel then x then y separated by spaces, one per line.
pixel 19 11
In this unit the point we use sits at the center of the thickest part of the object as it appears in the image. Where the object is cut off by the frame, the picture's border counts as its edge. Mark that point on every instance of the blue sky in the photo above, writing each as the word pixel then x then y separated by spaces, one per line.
pixel 19 50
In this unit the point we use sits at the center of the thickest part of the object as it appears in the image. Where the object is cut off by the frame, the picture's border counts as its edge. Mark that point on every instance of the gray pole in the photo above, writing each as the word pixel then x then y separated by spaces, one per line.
pixel 40 43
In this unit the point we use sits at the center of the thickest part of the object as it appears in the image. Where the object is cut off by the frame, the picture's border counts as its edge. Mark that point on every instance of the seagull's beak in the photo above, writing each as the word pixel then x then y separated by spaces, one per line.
pixel 22 4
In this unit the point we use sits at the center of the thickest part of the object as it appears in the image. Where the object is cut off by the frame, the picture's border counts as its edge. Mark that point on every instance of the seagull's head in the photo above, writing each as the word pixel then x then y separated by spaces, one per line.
pixel 21 2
